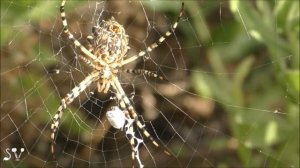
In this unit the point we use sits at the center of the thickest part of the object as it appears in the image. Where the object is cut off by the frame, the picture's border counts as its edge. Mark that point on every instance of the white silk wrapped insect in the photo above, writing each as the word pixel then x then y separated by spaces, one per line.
pixel 116 117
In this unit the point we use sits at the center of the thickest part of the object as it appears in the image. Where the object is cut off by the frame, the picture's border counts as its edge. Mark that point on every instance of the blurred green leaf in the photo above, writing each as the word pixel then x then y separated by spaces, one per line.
pixel 293 77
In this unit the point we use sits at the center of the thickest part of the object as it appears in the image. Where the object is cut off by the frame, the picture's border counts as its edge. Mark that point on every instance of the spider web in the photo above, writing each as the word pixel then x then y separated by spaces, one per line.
pixel 231 99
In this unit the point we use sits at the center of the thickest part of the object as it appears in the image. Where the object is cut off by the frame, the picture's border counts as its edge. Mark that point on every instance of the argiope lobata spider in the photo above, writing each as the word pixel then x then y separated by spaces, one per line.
pixel 107 55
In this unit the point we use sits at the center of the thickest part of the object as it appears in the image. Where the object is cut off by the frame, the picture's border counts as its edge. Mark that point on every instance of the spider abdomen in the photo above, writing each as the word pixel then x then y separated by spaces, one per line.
pixel 111 41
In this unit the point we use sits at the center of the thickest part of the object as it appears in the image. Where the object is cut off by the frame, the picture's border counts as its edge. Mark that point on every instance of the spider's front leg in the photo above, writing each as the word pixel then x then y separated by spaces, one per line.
pixel 154 45
pixel 71 37
pixel 91 46
pixel 75 92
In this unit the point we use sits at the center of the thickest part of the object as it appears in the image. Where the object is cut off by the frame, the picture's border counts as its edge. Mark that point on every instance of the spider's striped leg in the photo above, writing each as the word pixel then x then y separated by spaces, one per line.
pixel 132 143
pixel 88 62
pixel 123 107
pixel 72 38
pixel 132 148
pixel 126 105
pixel 67 100
pixel 155 44
pixel 90 39
pixel 145 72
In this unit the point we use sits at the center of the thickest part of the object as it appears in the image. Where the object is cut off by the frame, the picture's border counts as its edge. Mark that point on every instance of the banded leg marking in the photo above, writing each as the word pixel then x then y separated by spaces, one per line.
pixel 67 100
pixel 88 62
pixel 132 145
pixel 126 105
pixel 72 38
pixel 90 39
pixel 155 44
pixel 145 72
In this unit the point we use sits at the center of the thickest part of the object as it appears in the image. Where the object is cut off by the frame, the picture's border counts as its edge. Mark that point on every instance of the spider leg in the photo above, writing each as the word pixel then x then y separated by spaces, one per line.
pixel 155 44
pixel 74 93
pixel 90 39
pixel 145 72
pixel 71 36
pixel 88 62
pixel 126 105
pixel 132 145
pixel 94 31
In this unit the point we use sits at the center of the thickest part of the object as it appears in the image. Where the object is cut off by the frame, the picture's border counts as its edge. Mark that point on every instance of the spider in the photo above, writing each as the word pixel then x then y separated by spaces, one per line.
pixel 106 55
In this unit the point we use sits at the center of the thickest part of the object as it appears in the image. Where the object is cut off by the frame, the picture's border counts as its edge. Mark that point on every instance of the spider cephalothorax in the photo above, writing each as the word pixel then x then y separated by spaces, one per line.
pixel 106 55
